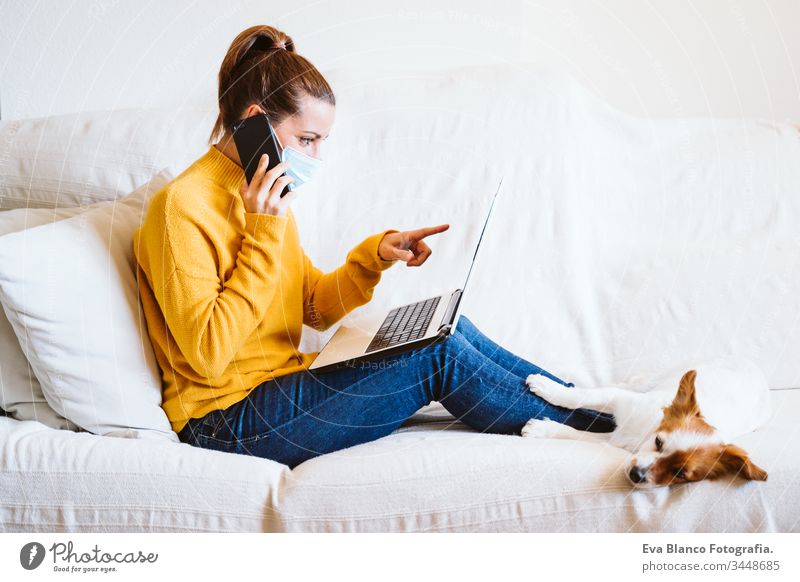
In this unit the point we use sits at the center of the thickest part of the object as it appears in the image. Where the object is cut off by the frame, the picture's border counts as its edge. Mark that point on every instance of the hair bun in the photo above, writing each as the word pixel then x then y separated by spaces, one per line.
pixel 265 42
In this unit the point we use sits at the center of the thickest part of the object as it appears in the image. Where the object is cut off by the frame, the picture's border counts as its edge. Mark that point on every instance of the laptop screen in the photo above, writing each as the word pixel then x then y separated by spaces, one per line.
pixel 488 215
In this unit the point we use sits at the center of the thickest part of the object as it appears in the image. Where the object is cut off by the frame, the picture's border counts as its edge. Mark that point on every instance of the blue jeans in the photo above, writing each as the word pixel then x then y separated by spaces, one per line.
pixel 296 417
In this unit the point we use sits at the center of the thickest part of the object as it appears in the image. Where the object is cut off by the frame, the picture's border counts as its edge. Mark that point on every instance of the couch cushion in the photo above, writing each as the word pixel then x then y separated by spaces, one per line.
pixel 442 476
pixel 82 158
pixel 20 392
pixel 60 481
pixel 434 474
pixel 69 291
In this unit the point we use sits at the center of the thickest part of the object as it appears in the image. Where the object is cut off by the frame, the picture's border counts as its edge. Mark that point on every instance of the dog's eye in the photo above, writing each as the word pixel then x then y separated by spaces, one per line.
pixel 659 444
pixel 678 473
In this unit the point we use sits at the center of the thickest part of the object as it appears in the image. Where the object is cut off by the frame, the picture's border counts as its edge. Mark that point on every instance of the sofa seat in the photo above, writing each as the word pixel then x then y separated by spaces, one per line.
pixel 433 474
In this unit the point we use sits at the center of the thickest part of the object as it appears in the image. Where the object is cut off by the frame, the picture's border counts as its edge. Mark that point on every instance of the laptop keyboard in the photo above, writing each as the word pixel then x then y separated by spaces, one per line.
pixel 404 323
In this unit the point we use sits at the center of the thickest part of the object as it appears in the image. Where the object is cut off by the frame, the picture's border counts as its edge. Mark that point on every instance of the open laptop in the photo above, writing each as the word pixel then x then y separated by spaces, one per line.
pixel 405 327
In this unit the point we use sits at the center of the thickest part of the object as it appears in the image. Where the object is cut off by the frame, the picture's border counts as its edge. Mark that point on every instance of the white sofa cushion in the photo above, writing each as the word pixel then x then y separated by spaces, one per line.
pixel 69 291
pixel 428 476
pixel 82 158
pixel 62 481
pixel 20 392
pixel 443 476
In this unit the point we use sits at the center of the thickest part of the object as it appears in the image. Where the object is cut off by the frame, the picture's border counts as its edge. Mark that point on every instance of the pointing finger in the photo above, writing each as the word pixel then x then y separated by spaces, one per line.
pixel 428 231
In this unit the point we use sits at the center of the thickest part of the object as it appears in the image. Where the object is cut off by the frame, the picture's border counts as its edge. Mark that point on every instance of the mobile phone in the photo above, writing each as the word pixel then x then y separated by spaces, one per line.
pixel 254 137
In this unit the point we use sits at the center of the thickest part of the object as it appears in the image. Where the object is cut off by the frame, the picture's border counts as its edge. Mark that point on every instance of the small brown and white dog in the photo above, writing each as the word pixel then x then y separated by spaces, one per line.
pixel 675 438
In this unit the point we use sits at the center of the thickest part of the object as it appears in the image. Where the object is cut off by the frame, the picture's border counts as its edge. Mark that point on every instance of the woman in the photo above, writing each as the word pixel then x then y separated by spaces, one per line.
pixel 226 289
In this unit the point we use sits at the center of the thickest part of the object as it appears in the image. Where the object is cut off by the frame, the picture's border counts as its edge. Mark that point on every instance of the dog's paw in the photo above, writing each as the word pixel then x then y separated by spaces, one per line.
pixel 541 428
pixel 544 387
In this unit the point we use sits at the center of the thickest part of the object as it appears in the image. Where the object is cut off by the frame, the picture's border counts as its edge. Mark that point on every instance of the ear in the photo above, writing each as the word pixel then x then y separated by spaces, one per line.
pixel 685 402
pixel 736 461
pixel 252 109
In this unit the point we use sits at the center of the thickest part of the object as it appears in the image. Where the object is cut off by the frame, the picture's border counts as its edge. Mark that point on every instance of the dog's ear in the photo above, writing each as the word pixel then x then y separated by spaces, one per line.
pixel 685 402
pixel 735 461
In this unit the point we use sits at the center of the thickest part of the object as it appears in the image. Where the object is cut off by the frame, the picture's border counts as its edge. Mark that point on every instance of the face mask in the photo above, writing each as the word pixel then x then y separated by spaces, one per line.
pixel 301 167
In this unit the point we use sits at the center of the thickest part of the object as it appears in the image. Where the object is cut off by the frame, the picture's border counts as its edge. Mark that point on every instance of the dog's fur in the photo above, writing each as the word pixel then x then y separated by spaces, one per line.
pixel 675 438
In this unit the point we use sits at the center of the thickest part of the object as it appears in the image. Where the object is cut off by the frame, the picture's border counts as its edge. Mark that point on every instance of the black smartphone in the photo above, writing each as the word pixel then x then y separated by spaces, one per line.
pixel 255 137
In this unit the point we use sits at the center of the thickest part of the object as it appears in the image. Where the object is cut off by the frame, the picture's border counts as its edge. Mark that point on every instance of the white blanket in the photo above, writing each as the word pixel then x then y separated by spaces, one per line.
pixel 620 246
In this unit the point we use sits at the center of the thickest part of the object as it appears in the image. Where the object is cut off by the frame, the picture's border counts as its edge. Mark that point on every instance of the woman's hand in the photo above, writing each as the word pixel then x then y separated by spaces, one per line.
pixel 408 245
pixel 263 195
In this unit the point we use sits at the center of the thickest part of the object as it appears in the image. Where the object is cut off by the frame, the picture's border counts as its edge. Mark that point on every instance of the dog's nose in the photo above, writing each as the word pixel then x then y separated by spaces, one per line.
pixel 636 474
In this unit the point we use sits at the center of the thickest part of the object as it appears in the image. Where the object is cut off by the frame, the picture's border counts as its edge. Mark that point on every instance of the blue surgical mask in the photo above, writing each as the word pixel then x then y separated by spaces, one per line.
pixel 301 167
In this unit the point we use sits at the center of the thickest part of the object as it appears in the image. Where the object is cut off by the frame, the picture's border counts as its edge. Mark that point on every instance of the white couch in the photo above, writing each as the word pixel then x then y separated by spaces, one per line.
pixel 621 247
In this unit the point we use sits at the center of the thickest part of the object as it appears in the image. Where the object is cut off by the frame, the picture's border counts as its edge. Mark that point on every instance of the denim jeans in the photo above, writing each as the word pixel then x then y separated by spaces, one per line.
pixel 299 416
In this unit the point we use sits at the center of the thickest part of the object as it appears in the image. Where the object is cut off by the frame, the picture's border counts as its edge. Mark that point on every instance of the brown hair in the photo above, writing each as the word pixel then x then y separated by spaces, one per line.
pixel 261 66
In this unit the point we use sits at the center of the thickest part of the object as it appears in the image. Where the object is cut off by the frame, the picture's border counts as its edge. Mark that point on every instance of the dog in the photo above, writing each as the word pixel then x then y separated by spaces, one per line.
pixel 675 437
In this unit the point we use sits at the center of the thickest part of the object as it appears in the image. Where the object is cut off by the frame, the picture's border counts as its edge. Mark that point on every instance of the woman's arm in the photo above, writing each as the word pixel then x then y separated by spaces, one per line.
pixel 329 297
pixel 208 318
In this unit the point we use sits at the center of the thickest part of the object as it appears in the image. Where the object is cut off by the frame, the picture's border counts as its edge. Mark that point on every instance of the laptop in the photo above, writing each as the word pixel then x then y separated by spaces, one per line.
pixel 406 327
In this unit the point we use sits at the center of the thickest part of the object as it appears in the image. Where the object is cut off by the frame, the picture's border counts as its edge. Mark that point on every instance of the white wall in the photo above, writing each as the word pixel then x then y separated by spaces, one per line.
pixel 727 58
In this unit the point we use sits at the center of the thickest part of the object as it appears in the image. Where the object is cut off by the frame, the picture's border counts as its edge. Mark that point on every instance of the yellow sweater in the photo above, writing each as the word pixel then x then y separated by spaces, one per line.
pixel 226 292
